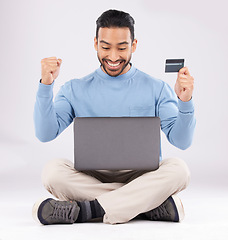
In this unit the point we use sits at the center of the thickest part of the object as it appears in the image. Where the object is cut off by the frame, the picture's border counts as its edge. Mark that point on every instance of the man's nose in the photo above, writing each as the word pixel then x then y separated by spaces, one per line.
pixel 113 56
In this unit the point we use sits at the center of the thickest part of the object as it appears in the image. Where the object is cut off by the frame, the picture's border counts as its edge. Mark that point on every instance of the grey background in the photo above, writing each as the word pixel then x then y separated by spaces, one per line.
pixel 32 30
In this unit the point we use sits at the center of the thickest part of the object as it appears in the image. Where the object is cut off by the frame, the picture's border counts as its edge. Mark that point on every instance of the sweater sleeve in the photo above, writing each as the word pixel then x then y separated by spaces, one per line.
pixel 177 118
pixel 51 118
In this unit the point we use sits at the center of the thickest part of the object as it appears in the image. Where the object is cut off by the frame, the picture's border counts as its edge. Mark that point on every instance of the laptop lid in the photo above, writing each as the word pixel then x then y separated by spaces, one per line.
pixel 116 143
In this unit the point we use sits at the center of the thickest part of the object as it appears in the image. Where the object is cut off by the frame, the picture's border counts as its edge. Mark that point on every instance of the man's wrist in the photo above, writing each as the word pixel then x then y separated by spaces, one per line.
pixel 45 90
pixel 45 83
pixel 186 107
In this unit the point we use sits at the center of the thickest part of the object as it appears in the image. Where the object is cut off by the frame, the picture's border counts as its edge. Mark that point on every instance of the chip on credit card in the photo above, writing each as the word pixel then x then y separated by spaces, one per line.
pixel 173 65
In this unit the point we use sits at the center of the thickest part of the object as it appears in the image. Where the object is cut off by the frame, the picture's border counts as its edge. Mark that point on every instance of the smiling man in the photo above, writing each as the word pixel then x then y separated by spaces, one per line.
pixel 114 49
pixel 115 89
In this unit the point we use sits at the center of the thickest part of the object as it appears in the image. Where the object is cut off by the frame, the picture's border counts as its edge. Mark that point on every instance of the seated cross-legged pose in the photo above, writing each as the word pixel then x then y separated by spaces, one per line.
pixel 115 89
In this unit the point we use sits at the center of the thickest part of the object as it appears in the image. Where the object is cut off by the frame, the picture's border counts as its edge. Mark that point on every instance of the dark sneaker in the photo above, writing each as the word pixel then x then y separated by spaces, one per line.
pixel 50 211
pixel 170 210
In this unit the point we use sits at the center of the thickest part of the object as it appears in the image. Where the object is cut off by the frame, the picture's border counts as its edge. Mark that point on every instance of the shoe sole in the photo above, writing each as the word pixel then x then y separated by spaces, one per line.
pixel 35 210
pixel 179 206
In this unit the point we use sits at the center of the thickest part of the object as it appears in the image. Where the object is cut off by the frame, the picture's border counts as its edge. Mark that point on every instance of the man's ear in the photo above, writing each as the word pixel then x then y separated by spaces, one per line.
pixel 134 45
pixel 95 44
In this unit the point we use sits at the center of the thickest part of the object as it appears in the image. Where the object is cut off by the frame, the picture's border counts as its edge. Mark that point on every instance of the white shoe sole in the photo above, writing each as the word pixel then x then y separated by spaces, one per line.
pixel 179 206
pixel 35 210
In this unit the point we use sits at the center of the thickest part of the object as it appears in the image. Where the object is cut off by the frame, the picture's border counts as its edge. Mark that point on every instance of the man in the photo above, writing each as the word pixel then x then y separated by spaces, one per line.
pixel 117 88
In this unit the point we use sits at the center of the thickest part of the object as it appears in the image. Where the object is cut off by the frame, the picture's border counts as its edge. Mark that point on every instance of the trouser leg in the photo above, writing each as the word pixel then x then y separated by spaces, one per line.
pixel 62 180
pixel 121 201
pixel 145 192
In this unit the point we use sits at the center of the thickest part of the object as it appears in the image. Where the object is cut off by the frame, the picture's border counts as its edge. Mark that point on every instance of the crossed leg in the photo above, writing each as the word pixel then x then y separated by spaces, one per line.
pixel 122 200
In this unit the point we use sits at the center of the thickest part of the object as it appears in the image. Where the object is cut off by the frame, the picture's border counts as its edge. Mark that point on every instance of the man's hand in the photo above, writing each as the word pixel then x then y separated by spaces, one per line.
pixel 50 69
pixel 184 85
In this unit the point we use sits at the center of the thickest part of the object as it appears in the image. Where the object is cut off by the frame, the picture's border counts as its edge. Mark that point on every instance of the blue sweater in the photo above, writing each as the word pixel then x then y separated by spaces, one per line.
pixel 98 95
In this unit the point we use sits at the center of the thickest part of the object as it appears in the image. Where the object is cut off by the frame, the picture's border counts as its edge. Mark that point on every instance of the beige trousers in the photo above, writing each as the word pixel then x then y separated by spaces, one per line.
pixel 122 194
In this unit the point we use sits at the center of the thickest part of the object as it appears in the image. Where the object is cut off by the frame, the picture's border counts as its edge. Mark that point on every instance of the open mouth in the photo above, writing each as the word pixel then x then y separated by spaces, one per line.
pixel 113 66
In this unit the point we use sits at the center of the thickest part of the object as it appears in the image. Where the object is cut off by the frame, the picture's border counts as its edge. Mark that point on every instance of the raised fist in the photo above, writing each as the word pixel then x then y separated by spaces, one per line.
pixel 50 69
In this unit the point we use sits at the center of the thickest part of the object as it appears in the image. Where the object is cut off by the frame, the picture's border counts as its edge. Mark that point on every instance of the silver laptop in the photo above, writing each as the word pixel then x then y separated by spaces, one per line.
pixel 116 143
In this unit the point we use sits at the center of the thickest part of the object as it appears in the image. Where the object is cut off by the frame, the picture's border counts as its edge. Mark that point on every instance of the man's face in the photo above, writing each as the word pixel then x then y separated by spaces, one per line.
pixel 114 49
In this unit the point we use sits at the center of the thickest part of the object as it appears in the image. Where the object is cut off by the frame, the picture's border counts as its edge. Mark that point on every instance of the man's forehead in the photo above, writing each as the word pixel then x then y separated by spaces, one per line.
pixel 117 35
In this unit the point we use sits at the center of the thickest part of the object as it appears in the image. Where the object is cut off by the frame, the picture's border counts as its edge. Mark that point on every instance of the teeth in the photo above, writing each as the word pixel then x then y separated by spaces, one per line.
pixel 113 65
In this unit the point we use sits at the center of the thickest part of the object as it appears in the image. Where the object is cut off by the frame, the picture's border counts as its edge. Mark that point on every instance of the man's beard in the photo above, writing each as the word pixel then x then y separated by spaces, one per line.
pixel 103 66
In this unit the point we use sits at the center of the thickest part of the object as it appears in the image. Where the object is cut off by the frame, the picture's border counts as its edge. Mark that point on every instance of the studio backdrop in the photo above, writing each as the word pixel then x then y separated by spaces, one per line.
pixel 32 30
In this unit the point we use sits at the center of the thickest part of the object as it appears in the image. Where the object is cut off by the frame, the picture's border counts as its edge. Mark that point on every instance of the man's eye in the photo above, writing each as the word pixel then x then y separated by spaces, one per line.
pixel 122 49
pixel 105 48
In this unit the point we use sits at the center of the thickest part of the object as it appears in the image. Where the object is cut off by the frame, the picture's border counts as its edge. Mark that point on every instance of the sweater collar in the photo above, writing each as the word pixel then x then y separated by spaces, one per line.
pixel 124 76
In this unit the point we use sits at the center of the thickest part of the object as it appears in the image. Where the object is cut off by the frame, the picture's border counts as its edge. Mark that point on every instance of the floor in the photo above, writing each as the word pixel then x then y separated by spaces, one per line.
pixel 205 208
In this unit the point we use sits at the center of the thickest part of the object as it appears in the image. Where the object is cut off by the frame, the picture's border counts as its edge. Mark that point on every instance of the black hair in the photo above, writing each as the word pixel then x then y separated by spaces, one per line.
pixel 115 18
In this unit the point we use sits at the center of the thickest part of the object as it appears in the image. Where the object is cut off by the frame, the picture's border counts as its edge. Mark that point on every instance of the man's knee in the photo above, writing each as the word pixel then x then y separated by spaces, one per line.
pixel 179 170
pixel 53 171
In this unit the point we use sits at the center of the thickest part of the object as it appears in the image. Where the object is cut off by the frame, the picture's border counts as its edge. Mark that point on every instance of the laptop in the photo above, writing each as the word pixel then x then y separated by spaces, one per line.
pixel 116 143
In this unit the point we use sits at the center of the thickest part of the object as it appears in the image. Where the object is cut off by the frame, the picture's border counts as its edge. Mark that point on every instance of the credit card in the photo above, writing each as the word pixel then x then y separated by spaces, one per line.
pixel 173 65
